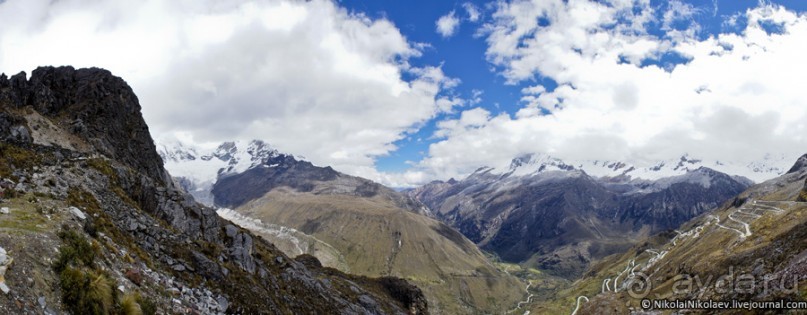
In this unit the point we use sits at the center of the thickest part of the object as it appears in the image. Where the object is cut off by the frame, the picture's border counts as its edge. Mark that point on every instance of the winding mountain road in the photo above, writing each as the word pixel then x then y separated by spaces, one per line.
pixel 738 220
pixel 526 301
pixel 576 308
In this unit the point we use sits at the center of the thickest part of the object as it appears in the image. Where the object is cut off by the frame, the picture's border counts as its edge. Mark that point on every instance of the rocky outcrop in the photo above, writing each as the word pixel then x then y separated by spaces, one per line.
pixel 96 106
pixel 800 165
pixel 5 261
pixel 103 111
pixel 240 248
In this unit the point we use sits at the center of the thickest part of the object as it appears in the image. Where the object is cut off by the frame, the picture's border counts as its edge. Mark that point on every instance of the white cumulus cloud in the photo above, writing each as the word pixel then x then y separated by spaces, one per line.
pixel 306 76
pixel 739 96
pixel 447 24
pixel 473 11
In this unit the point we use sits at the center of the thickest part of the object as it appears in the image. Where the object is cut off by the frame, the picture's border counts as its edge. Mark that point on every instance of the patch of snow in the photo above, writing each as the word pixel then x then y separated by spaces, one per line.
pixel 204 166
pixel 768 167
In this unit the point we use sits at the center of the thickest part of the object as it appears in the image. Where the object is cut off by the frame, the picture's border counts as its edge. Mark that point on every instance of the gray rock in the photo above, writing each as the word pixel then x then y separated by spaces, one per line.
pixel 78 213
pixel 230 230
pixel 223 303
pixel 241 252
pixel 132 225
pixel 368 302
pixel 20 134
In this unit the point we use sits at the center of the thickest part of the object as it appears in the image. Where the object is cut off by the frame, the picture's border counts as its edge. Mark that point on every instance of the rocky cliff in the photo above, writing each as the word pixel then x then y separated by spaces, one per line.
pixel 80 172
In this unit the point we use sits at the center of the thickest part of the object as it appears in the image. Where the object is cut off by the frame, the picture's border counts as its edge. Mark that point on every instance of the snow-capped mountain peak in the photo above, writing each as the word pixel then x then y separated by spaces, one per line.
pixel 768 167
pixel 198 168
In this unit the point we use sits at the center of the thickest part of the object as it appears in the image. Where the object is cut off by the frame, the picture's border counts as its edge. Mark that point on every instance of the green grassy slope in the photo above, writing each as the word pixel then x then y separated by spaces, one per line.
pixel 377 238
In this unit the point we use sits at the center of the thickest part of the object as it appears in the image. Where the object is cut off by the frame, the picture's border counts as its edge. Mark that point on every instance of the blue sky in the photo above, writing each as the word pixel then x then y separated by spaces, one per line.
pixel 463 54
pixel 374 90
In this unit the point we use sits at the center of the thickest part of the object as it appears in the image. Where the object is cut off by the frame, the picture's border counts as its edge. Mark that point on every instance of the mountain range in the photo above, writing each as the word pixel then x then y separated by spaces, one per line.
pixel 561 219
pixel 539 213
pixel 760 170
pixel 348 223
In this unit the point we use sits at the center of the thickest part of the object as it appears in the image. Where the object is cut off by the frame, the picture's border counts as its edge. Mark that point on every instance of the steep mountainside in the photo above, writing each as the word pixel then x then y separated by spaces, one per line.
pixel 197 170
pixel 79 173
pixel 367 229
pixel 559 221
pixel 750 249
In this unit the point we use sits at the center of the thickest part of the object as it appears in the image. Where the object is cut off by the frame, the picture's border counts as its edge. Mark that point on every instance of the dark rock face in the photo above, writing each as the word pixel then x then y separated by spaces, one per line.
pixel 561 221
pixel 99 106
pixel 235 190
pixel 800 164
pixel 121 177
pixel 285 171
pixel 13 129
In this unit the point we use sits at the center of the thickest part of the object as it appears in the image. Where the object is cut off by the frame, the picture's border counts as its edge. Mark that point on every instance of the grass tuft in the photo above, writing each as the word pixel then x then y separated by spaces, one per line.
pixel 130 306
pixel 87 291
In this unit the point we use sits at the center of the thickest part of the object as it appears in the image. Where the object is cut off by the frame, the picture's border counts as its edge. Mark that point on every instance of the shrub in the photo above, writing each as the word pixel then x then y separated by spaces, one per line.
pixel 14 157
pixel 10 193
pixel 86 291
pixel 75 251
pixel 129 305
pixel 100 293
pixel 90 228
